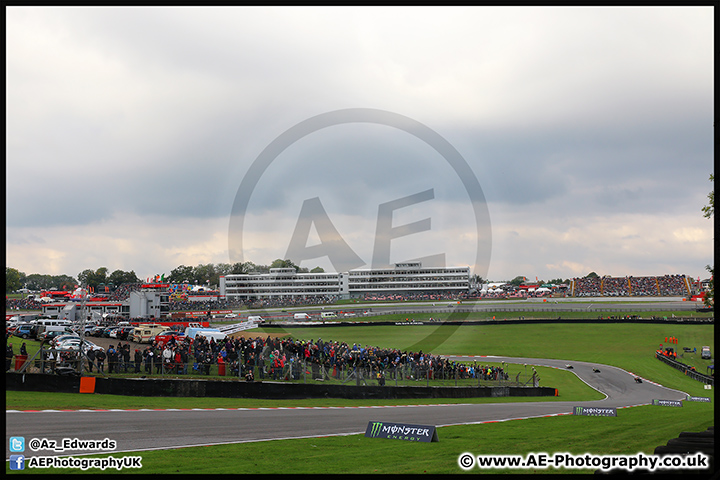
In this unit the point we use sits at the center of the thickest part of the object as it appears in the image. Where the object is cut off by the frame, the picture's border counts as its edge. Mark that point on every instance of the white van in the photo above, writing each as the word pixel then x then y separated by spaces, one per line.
pixel 256 319
pixel 24 318
pixel 44 323
pixel 301 316
pixel 328 315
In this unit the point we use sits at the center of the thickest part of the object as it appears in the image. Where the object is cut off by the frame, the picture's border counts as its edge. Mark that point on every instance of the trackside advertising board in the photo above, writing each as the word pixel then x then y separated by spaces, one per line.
pixel 667 403
pixel 595 411
pixel 401 431
pixel 698 399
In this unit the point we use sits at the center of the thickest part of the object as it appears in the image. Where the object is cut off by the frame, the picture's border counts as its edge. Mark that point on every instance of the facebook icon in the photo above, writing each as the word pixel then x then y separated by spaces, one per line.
pixel 17 462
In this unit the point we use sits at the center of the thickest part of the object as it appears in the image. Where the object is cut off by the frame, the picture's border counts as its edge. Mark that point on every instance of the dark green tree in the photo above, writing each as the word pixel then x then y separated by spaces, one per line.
pixel 14 279
pixel 242 268
pixel 120 277
pixel 90 278
pixel 279 263
pixel 205 275
pixel 709 212
pixel 181 274
pixel 37 281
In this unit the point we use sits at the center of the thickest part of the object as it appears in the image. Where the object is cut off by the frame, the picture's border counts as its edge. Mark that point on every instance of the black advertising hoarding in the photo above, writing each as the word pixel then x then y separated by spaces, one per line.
pixel 401 431
pixel 698 399
pixel 667 403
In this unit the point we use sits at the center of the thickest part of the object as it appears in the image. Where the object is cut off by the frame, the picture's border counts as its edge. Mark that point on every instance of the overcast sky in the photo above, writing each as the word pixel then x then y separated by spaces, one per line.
pixel 589 131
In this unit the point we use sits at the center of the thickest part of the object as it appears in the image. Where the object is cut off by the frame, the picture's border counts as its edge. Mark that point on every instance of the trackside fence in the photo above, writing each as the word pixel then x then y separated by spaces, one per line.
pixel 292 369
pixel 687 370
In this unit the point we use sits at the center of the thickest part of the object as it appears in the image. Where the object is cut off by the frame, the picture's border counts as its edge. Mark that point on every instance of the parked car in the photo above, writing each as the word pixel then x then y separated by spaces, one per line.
pixel 97 331
pixel 108 331
pixel 89 328
pixel 164 337
pixel 47 335
pixel 57 340
pixel 73 344
pixel 124 333
pixel 705 353
pixel 25 330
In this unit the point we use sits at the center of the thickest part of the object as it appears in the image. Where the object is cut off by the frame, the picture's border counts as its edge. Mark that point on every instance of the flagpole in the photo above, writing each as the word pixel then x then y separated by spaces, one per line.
pixel 83 319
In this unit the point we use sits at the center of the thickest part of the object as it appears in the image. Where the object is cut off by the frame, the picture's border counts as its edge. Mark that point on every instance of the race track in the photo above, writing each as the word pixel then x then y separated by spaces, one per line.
pixel 138 430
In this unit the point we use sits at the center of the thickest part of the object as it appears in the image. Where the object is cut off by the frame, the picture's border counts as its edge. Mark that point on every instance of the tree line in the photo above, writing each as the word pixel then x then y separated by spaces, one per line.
pixel 203 274
pixel 15 280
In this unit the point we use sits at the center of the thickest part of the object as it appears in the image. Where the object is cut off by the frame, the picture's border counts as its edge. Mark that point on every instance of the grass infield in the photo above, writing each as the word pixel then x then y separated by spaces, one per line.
pixel 628 346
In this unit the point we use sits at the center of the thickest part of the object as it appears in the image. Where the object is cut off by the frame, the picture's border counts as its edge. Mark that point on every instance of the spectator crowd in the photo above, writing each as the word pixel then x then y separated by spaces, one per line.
pixel 273 359
pixel 667 285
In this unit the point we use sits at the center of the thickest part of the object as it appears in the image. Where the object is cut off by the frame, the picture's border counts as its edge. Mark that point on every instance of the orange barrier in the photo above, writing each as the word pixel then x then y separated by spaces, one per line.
pixel 87 384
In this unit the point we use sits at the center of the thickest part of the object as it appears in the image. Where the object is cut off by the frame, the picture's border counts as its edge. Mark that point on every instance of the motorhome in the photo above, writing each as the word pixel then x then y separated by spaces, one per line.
pixel 145 333
pixel 328 315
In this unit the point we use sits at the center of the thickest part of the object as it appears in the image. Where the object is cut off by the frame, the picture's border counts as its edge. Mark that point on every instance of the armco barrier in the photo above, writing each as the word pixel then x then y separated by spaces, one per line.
pixel 503 321
pixel 695 375
pixel 157 387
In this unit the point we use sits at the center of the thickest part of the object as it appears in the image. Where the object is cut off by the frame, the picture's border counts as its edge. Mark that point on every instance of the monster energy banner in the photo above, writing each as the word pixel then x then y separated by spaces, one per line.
pixel 401 431
pixel 697 399
pixel 667 403
pixel 595 412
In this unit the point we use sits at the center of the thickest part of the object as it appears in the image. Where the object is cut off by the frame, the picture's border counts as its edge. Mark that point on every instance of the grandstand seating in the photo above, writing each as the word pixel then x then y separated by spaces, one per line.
pixel 655 286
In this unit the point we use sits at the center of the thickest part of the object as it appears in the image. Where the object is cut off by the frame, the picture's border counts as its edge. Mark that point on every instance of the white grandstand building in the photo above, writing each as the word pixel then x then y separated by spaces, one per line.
pixel 404 279
pixel 409 279
pixel 282 283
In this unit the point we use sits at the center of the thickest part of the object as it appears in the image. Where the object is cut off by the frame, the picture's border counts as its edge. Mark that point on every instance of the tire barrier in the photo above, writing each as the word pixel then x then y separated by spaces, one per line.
pixel 686 443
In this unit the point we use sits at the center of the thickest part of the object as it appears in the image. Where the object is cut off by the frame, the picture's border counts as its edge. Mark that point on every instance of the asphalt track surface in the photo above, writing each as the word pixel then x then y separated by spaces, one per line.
pixel 140 430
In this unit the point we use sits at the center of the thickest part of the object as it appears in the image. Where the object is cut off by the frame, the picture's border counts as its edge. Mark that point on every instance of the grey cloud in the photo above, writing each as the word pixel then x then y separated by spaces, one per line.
pixel 161 111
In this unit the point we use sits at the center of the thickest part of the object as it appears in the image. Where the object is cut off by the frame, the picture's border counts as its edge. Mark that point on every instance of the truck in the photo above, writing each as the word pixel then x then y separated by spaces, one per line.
pixel 215 335
pixel 194 330
pixel 209 333
pixel 23 318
